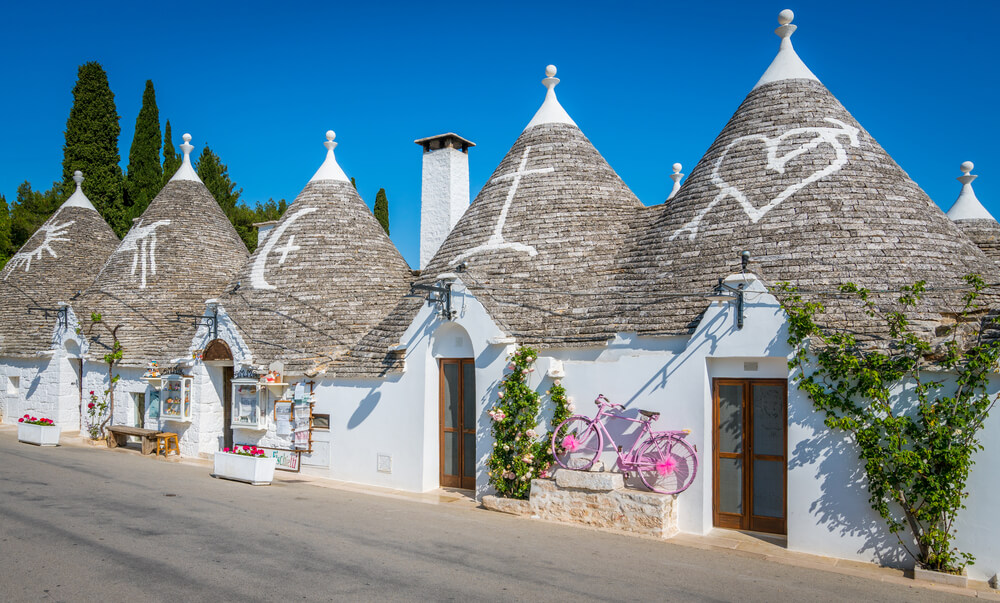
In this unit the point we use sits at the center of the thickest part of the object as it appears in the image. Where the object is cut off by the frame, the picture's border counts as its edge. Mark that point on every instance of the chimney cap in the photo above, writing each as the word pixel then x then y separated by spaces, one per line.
pixel 442 141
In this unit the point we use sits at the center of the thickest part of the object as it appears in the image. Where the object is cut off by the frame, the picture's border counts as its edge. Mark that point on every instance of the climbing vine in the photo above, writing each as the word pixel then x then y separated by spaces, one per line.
pixel 519 455
pixel 913 407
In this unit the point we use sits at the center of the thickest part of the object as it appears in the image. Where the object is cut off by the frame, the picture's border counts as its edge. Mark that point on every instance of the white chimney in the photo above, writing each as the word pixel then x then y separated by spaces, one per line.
pixel 444 192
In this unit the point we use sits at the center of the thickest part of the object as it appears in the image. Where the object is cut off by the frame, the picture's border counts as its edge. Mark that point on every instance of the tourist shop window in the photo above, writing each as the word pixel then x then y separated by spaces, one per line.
pixel 321 422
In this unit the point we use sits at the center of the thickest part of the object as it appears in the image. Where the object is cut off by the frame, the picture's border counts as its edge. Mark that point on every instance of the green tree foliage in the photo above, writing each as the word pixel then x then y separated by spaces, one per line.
pixel 353 183
pixel 171 158
pixel 6 247
pixel 31 210
pixel 92 146
pixel 145 174
pixel 382 209
pixel 215 175
pixel 913 406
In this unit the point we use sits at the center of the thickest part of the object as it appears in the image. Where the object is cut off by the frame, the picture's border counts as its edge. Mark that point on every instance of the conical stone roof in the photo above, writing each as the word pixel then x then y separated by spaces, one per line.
pixel 795 180
pixel 319 280
pixel 180 252
pixel 58 261
pixel 973 219
pixel 541 241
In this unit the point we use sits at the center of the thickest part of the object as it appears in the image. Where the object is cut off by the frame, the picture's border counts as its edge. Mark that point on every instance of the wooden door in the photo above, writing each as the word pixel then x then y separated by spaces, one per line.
pixel 458 422
pixel 227 406
pixel 749 454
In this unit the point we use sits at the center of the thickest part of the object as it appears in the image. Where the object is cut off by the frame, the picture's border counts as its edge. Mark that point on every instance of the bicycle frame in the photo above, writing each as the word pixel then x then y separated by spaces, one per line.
pixel 627 461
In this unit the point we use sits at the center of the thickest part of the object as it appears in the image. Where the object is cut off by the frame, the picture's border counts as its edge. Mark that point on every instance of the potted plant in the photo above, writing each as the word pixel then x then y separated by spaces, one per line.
pixel 244 464
pixel 40 432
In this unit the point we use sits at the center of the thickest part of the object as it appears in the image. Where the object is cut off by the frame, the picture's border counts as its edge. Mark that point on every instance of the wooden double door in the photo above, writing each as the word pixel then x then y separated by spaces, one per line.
pixel 458 422
pixel 750 454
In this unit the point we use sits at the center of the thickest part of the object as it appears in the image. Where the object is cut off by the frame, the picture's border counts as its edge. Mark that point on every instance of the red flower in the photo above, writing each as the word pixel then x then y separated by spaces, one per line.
pixel 20 420
pixel 26 416
pixel 91 405
pixel 91 392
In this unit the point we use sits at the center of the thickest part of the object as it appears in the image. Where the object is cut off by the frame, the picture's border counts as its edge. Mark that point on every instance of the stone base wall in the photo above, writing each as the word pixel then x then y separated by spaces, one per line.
pixel 594 499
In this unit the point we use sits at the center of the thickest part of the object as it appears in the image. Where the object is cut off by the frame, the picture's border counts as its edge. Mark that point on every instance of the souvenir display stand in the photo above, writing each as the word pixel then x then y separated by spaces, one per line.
pixel 175 398
pixel 249 402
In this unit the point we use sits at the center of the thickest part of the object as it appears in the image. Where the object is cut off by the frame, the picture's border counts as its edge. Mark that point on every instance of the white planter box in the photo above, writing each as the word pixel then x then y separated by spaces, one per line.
pixel 39 435
pixel 258 471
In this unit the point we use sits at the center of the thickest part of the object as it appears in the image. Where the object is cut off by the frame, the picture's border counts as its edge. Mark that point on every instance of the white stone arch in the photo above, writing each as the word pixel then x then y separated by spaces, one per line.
pixel 451 340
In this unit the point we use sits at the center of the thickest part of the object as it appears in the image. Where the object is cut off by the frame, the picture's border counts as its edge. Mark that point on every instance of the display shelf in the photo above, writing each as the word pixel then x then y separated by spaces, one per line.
pixel 175 398
pixel 248 406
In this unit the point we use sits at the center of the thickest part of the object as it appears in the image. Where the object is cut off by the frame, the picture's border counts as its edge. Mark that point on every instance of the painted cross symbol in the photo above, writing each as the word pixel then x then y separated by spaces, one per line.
pixel 288 248
pixel 496 240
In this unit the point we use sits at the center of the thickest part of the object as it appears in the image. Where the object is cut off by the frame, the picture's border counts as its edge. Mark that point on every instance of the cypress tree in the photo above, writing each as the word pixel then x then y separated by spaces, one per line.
pixel 145 175
pixel 215 175
pixel 171 158
pixel 6 249
pixel 382 209
pixel 92 146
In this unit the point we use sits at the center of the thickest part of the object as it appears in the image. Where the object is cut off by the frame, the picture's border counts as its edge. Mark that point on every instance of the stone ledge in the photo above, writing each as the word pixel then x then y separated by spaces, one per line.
pixel 590 480
pixel 621 510
pixel 941 577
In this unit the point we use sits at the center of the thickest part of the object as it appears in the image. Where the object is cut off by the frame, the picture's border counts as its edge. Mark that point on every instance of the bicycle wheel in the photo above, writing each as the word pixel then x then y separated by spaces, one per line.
pixel 577 443
pixel 667 464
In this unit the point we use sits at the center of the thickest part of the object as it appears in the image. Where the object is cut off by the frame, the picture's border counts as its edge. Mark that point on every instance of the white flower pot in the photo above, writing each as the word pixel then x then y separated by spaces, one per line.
pixel 39 435
pixel 255 470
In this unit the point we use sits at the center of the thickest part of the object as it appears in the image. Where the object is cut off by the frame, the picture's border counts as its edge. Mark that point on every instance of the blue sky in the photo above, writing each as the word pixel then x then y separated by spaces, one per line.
pixel 649 83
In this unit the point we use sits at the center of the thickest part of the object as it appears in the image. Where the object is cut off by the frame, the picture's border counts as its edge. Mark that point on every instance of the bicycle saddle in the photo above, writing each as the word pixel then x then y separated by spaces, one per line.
pixel 651 414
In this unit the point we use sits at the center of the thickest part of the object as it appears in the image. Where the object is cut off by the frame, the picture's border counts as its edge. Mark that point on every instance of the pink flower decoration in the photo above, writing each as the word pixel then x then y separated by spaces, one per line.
pixel 666 466
pixel 570 443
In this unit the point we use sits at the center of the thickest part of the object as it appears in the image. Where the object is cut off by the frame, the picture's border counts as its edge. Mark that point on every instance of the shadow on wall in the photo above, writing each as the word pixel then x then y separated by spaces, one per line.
pixel 365 408
pixel 843 507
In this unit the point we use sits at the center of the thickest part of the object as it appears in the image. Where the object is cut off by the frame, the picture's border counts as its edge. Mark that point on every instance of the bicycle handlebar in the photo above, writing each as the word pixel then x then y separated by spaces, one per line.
pixel 601 400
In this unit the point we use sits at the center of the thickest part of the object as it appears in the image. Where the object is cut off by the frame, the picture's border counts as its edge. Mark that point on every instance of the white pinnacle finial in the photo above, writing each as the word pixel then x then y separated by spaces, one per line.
pixel 551 112
pixel 78 199
pixel 787 65
pixel 967 206
pixel 676 177
pixel 186 171
pixel 330 170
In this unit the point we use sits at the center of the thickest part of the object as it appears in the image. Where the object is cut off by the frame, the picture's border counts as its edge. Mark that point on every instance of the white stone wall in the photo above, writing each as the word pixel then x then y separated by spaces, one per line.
pixel 444 197
pixel 47 387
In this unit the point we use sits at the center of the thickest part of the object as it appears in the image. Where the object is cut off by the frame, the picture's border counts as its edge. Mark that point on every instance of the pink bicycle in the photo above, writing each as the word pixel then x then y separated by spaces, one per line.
pixel 664 460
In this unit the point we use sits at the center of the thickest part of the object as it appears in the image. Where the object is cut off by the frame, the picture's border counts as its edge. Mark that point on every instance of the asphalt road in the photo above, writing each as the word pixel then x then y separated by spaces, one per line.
pixel 86 524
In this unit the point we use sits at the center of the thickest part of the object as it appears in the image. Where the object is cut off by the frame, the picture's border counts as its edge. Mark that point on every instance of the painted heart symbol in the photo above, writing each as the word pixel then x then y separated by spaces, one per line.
pixel 791 144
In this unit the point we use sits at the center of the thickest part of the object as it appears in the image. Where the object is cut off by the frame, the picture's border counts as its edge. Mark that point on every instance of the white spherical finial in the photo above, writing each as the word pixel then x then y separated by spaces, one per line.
pixel 186 137
pixel 78 176
pixel 330 135
pixel 967 167
pixel 677 167
pixel 550 71
pixel 785 17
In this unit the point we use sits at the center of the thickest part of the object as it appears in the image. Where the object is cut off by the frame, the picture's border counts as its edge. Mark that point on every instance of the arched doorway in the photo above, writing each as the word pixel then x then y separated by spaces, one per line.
pixel 217 353
pixel 452 347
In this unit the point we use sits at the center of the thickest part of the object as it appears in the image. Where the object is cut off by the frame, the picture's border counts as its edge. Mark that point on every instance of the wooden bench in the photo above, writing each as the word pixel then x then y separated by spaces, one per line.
pixel 118 436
